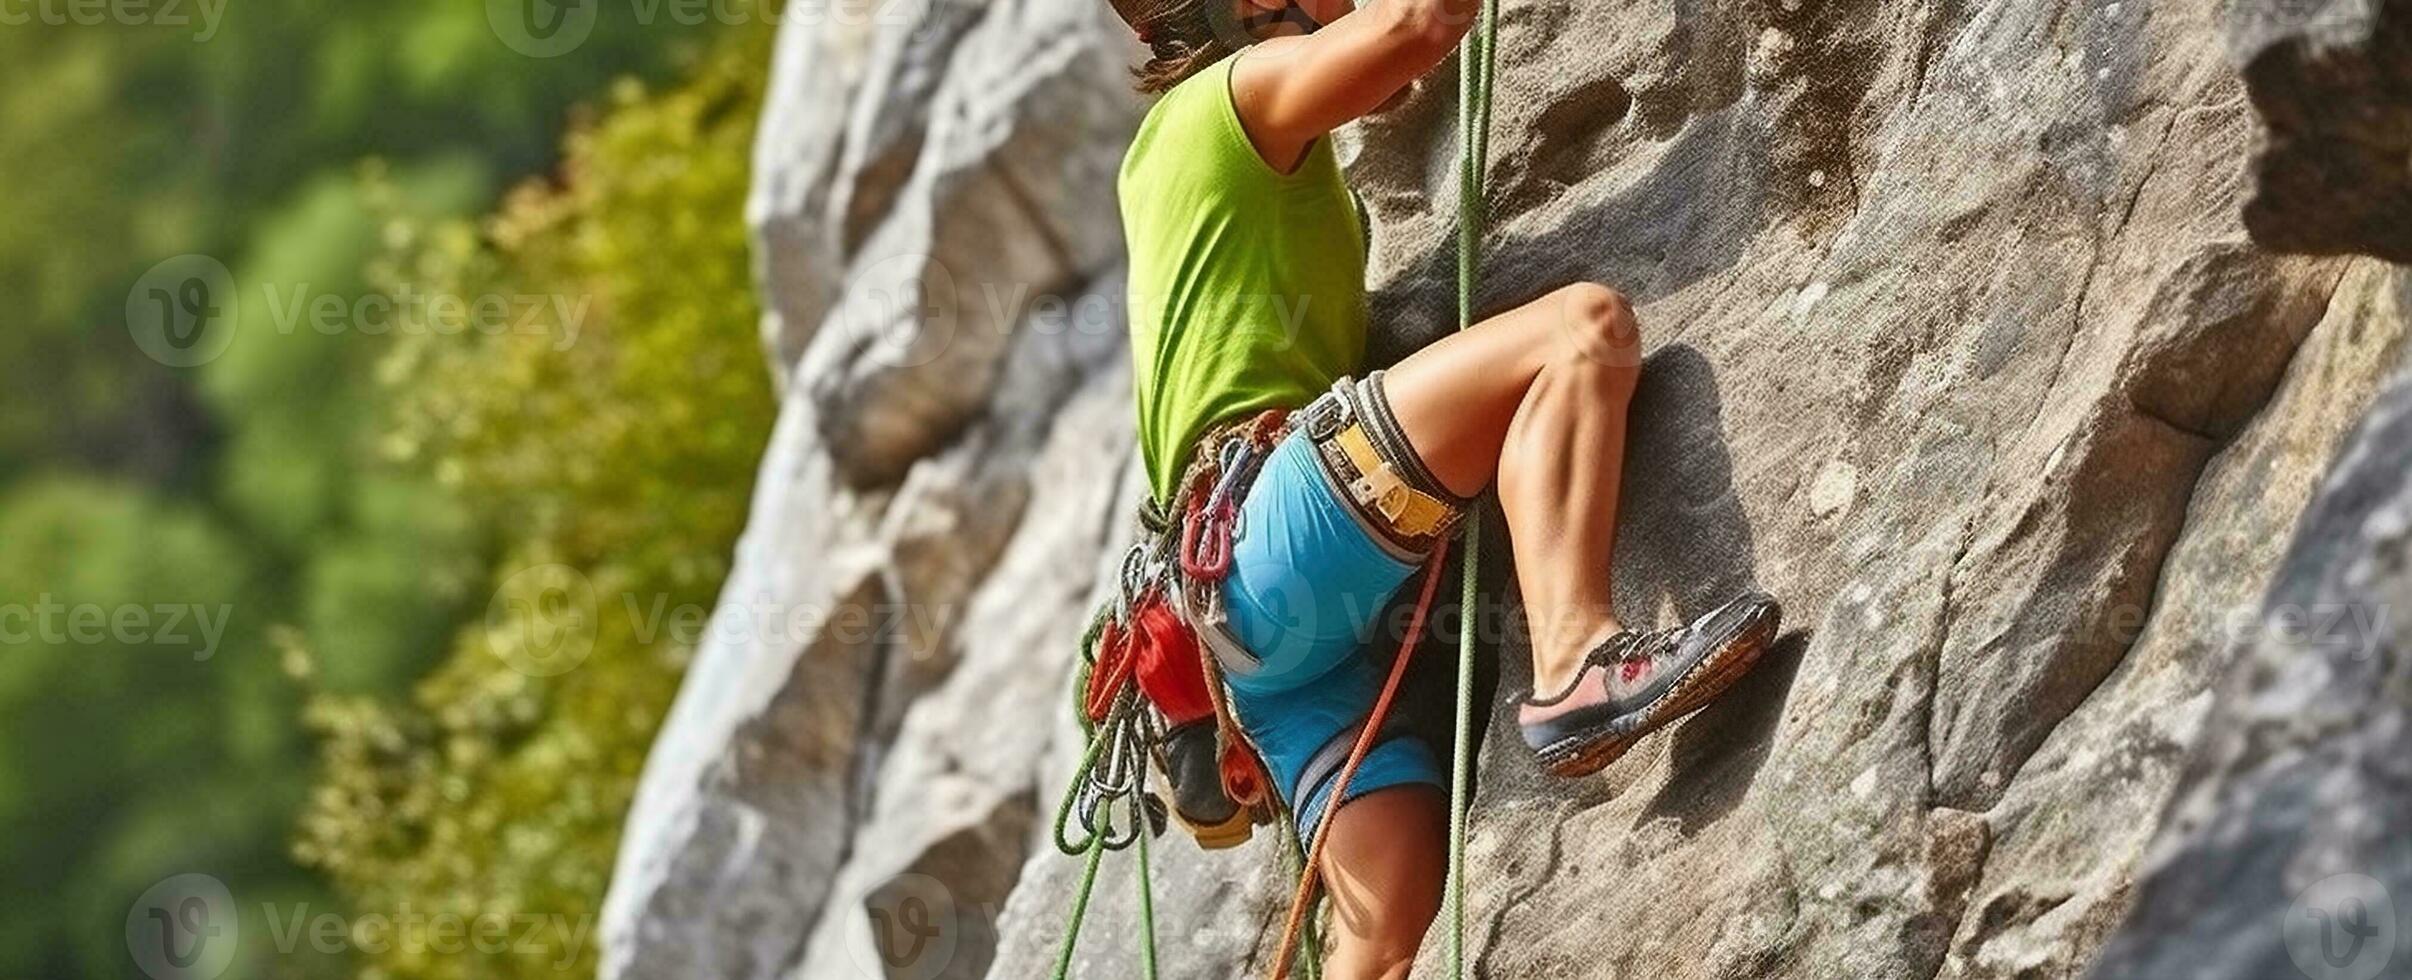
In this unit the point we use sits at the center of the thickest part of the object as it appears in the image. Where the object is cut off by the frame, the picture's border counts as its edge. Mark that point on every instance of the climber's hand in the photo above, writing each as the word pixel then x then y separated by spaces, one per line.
pixel 1290 91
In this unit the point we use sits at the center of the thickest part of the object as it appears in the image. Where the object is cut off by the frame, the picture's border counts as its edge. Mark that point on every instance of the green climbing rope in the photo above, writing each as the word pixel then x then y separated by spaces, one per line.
pixel 1147 908
pixel 1309 941
pixel 1475 66
pixel 1080 907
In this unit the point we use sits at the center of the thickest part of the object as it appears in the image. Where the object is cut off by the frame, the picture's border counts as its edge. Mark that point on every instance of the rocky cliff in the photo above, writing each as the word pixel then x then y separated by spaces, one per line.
pixel 1957 343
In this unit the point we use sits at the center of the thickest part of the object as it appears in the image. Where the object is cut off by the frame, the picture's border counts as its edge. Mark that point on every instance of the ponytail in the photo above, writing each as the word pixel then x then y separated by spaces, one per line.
pixel 1183 38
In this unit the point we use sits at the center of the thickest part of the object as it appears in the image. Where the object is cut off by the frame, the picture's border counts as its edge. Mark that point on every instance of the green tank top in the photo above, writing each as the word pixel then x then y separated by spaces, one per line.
pixel 1247 285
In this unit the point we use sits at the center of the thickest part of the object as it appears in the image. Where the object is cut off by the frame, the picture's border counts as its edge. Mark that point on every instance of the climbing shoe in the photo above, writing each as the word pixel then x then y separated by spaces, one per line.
pixel 1188 755
pixel 1636 682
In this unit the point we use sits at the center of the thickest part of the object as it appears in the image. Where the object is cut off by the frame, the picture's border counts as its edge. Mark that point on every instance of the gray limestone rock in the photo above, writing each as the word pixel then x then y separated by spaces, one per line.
pixel 1957 343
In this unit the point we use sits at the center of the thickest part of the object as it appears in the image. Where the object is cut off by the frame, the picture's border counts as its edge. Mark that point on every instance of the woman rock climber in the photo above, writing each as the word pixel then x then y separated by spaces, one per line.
pixel 1247 265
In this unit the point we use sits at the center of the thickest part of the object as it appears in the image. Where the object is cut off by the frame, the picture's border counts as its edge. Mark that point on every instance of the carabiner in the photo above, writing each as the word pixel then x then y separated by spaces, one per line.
pixel 1206 541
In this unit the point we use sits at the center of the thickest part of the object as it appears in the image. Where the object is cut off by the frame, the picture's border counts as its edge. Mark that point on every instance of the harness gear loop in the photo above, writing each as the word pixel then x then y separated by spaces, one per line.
pixel 1212 520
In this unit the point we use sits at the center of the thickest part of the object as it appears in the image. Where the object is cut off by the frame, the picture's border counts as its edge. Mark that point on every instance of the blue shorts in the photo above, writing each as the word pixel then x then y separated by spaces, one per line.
pixel 1308 580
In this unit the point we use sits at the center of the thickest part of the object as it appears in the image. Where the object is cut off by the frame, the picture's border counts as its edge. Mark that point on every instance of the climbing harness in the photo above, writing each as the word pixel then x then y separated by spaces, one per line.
pixel 1150 683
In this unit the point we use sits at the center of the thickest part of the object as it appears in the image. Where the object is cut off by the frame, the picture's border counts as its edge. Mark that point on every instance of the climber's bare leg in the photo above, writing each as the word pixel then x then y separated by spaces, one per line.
pixel 1383 870
pixel 1536 396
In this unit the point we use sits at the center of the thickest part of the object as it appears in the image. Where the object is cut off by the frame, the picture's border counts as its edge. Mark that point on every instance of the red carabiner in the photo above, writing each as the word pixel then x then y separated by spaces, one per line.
pixel 1206 540
pixel 1110 673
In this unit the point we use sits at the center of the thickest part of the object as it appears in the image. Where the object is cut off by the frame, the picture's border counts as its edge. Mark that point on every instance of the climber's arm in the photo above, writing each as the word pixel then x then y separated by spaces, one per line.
pixel 1290 91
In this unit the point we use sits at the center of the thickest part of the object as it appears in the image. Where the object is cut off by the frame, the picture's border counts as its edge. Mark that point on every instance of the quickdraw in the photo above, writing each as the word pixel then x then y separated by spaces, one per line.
pixel 1113 772
pixel 1108 649
pixel 1212 522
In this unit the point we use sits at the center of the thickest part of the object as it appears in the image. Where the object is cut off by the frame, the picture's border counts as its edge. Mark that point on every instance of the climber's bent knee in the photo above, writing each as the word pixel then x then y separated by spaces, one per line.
pixel 1602 337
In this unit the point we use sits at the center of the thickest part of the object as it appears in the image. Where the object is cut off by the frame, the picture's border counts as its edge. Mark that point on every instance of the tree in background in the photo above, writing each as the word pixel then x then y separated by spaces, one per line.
pixel 253 482
pixel 613 449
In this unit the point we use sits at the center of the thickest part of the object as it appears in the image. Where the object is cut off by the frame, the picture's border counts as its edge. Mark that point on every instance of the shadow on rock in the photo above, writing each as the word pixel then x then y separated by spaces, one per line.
pixel 1717 753
pixel 1683 544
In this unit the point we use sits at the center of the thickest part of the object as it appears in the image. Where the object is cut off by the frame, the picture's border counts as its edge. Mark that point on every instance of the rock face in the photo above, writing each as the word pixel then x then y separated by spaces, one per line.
pixel 1957 344
pixel 2291 836
pixel 938 276
pixel 2333 78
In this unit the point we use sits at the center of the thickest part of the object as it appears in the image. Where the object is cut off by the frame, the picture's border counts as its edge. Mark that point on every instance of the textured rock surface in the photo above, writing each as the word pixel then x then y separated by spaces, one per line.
pixel 2290 842
pixel 934 305
pixel 1957 344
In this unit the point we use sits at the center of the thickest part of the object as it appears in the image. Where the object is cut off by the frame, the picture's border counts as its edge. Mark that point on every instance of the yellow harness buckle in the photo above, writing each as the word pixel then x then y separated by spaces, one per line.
pixel 1410 512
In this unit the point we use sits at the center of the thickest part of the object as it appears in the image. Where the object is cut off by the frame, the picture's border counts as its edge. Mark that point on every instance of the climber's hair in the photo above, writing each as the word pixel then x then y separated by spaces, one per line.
pixel 1183 38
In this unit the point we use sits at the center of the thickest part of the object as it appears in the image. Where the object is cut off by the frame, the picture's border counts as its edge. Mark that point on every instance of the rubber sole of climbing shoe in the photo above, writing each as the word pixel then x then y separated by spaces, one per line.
pixel 1230 833
pixel 1588 753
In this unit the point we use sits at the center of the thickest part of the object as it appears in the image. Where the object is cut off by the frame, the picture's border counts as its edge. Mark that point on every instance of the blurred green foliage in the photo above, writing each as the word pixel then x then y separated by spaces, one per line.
pixel 612 437
pixel 86 549
pixel 311 147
